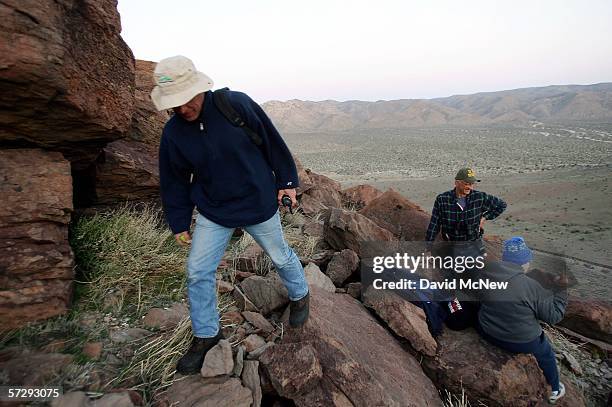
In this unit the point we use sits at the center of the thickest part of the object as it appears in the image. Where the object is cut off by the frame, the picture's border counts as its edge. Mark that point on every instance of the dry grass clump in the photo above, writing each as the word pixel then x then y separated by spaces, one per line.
pixel 126 257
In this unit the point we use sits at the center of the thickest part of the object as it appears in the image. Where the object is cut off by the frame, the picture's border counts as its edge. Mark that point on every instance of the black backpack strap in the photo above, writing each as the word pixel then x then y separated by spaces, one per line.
pixel 222 103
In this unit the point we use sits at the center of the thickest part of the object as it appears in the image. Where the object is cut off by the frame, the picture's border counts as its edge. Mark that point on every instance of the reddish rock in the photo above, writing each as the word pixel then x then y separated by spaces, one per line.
pixel 362 363
pixel 360 196
pixel 590 318
pixel 206 392
pixel 250 378
pixel 166 318
pixel 253 342
pixel 315 277
pixel 342 266
pixel 92 350
pixel 267 293
pixel 311 206
pixel 258 321
pixel 406 320
pixel 346 230
pixel 126 171
pixel 497 379
pixel 219 360
pixel 224 286
pixel 36 260
pixel 241 275
pixel 397 214
pixel 232 318
pixel 354 290
pixel 313 228
pixel 248 260
pixel 147 123
pixel 305 374
pixel 325 191
pixel 242 302
pixel 67 76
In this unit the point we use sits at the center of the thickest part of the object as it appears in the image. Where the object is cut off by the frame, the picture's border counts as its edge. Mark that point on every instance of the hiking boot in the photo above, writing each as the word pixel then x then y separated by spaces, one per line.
pixel 299 311
pixel 191 362
pixel 556 395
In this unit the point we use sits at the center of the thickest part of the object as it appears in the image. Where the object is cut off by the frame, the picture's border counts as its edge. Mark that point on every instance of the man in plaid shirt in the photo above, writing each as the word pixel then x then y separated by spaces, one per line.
pixel 459 214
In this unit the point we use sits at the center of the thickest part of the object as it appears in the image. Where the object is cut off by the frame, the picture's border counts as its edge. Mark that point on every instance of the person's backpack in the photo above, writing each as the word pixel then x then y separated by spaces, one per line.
pixel 221 101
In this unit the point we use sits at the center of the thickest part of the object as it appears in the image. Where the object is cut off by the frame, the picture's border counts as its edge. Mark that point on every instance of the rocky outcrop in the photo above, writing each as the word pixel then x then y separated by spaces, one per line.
pixel 325 190
pixel 304 177
pixel 363 364
pixel 360 196
pixel 404 318
pixel 397 214
pixel 35 258
pixel 126 171
pixel 346 230
pixel 591 318
pixel 497 379
pixel 67 78
pixel 147 123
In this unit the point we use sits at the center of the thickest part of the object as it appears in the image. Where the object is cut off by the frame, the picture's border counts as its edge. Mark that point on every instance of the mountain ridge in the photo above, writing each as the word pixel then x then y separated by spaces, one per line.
pixel 553 103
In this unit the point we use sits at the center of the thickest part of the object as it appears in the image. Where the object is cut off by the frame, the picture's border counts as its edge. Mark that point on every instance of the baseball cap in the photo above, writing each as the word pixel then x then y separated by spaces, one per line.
pixel 467 175
pixel 178 81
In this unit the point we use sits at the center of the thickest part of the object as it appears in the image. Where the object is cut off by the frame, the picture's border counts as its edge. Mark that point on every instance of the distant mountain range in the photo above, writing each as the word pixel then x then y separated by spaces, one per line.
pixel 549 104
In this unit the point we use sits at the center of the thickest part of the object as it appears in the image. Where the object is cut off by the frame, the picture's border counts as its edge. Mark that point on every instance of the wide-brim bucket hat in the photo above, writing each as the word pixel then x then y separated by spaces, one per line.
pixel 177 82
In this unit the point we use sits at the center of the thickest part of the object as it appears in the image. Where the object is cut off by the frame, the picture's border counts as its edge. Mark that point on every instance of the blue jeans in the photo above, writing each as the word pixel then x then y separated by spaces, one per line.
pixel 539 347
pixel 208 245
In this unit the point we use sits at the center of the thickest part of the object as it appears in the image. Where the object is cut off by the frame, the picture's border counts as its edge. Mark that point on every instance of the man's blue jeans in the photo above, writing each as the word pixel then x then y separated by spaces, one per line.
pixel 208 245
pixel 539 347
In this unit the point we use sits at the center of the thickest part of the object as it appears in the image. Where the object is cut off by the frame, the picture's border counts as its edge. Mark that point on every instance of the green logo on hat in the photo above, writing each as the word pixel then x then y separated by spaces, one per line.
pixel 164 79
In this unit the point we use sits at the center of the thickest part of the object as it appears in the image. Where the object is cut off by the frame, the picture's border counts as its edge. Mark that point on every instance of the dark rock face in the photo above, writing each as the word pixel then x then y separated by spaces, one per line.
pixel 67 77
pixel 397 214
pixel 35 258
pixel 126 171
pixel 345 358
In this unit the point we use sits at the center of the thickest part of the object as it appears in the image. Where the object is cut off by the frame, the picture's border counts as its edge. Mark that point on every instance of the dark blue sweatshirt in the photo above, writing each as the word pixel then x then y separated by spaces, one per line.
pixel 235 182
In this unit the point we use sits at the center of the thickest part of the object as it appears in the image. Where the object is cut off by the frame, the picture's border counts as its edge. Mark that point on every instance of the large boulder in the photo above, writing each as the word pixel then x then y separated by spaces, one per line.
pixel 126 171
pixel 487 374
pixel 206 392
pixel 360 195
pixel 347 230
pixel 67 76
pixel 404 318
pixel 344 357
pixel 36 261
pixel 397 214
pixel 147 123
pixel 590 318
pixel 324 190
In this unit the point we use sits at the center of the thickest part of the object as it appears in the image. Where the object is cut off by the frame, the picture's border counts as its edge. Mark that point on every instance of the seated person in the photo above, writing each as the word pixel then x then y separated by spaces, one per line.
pixel 510 318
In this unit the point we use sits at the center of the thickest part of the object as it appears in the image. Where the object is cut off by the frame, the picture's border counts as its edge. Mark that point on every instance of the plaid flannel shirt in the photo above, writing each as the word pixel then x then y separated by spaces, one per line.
pixel 462 224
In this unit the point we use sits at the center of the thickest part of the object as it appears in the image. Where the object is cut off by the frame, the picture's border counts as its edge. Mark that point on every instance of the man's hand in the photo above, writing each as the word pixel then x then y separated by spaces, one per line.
pixel 292 194
pixel 183 238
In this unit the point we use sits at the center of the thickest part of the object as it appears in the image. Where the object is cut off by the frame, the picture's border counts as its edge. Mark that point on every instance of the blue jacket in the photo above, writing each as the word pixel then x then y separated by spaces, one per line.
pixel 235 182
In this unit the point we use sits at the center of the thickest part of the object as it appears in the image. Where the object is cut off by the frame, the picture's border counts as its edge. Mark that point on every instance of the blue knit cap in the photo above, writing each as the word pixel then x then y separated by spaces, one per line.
pixel 516 251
